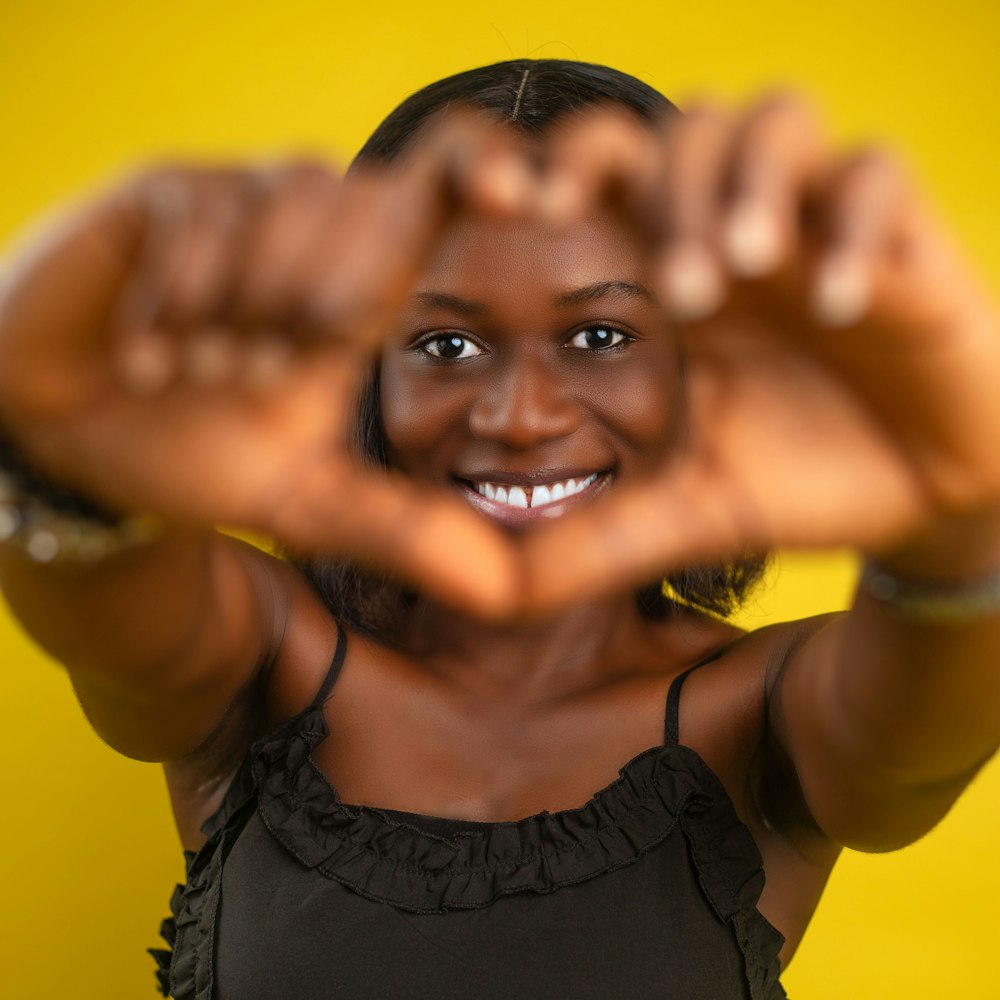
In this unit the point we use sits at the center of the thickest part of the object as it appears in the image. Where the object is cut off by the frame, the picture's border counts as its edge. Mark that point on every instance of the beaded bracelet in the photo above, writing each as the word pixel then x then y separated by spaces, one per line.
pixel 49 522
pixel 934 603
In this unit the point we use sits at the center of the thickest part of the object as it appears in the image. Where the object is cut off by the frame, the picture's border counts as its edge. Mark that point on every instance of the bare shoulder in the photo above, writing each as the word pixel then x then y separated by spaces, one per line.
pixel 302 641
pixel 726 699
pixel 726 717
pixel 725 707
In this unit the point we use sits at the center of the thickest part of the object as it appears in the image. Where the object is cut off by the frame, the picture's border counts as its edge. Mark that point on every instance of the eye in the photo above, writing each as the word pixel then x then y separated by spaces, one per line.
pixel 449 347
pixel 597 338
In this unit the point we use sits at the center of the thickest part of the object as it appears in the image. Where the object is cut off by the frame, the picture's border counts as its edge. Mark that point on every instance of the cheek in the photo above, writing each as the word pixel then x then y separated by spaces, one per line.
pixel 419 418
pixel 641 403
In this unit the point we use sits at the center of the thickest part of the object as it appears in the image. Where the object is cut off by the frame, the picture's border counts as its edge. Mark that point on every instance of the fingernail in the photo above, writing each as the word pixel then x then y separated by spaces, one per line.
pixel 558 201
pixel 508 186
pixel 751 240
pixel 148 363
pixel 841 292
pixel 267 363
pixel 210 358
pixel 692 283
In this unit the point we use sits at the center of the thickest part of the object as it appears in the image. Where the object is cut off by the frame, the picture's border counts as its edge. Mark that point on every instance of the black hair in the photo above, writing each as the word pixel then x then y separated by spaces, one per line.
pixel 530 95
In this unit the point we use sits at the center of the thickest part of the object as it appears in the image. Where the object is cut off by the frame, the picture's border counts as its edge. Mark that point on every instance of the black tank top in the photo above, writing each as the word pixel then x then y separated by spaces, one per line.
pixel 649 890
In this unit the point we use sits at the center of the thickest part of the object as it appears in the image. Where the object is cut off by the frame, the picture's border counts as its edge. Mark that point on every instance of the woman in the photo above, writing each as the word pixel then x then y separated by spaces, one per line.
pixel 608 342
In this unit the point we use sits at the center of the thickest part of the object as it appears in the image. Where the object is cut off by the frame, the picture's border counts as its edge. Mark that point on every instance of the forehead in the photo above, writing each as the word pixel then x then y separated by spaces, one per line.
pixel 480 258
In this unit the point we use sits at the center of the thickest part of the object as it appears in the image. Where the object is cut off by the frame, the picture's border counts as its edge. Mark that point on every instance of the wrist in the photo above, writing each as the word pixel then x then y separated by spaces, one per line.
pixel 949 551
pixel 49 522
pixel 933 603
pixel 946 575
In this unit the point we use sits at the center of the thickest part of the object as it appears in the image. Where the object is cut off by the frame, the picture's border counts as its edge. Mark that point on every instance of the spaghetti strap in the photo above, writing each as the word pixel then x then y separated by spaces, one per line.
pixel 287 866
pixel 334 671
pixel 671 722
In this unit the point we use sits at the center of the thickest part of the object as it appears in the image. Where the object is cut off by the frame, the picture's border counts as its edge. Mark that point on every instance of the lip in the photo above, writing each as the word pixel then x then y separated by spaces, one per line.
pixel 518 517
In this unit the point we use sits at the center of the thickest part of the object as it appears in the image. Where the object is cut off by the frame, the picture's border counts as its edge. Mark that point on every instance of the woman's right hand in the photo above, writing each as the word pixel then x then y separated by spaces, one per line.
pixel 194 343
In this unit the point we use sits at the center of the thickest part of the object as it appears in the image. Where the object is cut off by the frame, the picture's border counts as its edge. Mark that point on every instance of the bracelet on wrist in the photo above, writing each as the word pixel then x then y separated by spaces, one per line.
pixel 51 523
pixel 934 603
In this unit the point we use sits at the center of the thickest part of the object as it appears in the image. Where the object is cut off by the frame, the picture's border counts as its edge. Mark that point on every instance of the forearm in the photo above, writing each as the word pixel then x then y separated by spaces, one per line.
pixel 126 616
pixel 159 641
pixel 890 701
pixel 941 662
pixel 913 704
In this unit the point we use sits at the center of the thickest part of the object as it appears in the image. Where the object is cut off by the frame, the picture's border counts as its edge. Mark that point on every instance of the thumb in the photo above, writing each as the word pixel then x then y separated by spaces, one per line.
pixel 629 539
pixel 429 539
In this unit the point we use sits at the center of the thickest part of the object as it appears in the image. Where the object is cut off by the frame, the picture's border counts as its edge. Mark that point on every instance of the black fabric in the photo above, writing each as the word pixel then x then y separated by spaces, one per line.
pixel 649 890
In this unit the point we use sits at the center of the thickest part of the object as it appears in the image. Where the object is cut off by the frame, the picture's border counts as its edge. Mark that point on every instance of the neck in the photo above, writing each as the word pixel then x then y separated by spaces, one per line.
pixel 525 662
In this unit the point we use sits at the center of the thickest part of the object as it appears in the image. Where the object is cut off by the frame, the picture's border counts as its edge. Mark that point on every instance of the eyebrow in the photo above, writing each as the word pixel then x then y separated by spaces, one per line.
pixel 604 289
pixel 453 303
pixel 574 297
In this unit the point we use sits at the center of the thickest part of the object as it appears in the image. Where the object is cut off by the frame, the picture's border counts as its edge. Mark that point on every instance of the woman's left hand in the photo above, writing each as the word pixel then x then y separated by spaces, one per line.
pixel 841 361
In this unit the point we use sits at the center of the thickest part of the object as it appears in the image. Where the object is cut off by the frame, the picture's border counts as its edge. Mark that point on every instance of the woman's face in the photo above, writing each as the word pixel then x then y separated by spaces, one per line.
pixel 530 370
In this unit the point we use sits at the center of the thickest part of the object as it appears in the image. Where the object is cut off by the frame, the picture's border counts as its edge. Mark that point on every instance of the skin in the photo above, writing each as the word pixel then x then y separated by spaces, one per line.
pixel 530 396
pixel 798 387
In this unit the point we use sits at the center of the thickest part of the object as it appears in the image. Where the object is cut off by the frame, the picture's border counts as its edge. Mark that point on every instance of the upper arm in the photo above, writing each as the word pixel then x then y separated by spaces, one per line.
pixel 871 772
pixel 205 673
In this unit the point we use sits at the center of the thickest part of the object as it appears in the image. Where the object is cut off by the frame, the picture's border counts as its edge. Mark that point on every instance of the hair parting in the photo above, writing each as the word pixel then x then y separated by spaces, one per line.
pixel 520 94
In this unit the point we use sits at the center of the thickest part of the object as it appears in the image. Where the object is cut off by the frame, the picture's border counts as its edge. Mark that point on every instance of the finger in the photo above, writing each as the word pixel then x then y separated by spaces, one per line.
pixel 211 356
pixel 602 155
pixel 148 360
pixel 633 538
pixel 181 274
pixel 696 151
pixel 288 225
pixel 199 252
pixel 266 361
pixel 775 161
pixel 387 221
pixel 363 261
pixel 152 205
pixel 431 540
pixel 468 162
pixel 860 211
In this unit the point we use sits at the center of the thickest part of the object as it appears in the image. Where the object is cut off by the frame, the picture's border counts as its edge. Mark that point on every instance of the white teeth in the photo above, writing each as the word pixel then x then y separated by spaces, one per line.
pixel 540 495
pixel 518 496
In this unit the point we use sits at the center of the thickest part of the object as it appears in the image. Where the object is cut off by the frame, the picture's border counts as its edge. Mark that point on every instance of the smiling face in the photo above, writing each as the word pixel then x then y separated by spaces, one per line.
pixel 530 370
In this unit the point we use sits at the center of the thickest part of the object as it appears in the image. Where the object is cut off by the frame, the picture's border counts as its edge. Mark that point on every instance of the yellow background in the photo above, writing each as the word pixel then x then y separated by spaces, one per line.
pixel 89 856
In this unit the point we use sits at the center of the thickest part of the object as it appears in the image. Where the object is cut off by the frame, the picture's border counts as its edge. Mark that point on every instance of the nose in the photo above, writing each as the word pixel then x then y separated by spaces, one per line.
pixel 524 406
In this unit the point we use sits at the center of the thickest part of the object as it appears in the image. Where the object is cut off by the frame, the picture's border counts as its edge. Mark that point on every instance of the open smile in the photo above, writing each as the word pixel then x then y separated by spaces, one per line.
pixel 515 501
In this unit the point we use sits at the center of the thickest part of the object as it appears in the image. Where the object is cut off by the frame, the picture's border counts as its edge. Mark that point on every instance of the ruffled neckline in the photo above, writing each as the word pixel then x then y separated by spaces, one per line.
pixel 430 864
pixel 387 857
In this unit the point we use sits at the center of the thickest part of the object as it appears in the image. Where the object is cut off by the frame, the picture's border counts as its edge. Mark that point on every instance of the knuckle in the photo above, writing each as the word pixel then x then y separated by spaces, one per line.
pixel 164 193
pixel 783 124
pixel 874 161
pixel 873 177
pixel 299 172
pixel 705 116
pixel 159 172
pixel 784 103
pixel 452 131
pixel 334 318
pixel 703 134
